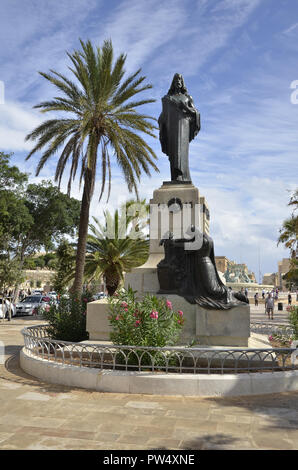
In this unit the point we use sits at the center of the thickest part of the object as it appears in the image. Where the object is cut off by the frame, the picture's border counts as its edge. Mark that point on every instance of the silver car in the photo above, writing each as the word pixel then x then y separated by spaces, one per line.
pixel 31 304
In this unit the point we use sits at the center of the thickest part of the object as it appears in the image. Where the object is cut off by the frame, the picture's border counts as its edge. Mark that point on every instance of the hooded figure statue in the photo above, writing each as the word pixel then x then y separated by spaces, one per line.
pixel 179 123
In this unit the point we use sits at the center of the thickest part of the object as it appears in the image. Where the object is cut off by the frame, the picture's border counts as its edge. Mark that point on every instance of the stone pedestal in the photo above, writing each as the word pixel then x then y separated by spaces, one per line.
pixel 174 207
pixel 97 322
pixel 213 327
pixel 204 327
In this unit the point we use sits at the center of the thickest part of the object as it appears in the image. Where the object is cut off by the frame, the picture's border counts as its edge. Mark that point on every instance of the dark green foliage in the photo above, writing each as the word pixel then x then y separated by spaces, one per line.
pixel 293 320
pixel 113 247
pixel 67 319
pixel 54 215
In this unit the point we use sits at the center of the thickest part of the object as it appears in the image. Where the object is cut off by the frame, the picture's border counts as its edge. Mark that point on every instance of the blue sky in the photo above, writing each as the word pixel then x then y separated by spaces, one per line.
pixel 238 59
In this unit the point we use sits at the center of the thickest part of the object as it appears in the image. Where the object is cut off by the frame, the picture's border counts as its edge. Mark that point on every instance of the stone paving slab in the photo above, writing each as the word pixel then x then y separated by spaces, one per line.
pixel 36 415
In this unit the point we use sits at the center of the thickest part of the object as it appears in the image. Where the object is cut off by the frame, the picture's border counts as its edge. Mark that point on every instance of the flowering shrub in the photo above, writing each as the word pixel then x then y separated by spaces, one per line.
pixel 293 319
pixel 280 340
pixel 284 338
pixel 149 322
pixel 67 318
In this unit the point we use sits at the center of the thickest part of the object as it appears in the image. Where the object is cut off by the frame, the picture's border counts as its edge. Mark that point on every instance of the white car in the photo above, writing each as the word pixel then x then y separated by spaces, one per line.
pixel 37 292
pixel 53 295
pixel 99 295
pixel 5 305
pixel 30 304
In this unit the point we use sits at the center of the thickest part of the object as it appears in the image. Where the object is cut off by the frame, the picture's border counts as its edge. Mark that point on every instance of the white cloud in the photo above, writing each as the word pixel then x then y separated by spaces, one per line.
pixel 15 122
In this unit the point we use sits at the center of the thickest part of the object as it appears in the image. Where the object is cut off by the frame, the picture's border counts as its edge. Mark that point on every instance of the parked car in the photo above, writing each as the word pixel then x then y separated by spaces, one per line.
pixel 37 292
pixel 53 295
pixel 31 304
pixel 5 305
pixel 99 295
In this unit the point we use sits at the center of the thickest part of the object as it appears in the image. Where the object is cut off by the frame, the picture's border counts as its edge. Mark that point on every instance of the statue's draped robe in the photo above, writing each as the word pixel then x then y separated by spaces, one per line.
pixel 193 275
pixel 179 123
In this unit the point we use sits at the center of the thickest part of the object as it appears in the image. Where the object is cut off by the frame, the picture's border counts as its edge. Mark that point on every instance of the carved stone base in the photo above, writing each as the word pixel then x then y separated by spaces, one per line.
pixel 213 327
pixel 205 327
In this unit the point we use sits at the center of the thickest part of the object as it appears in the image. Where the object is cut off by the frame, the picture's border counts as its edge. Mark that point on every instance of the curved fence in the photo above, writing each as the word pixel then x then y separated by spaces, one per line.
pixel 219 360
pixel 271 328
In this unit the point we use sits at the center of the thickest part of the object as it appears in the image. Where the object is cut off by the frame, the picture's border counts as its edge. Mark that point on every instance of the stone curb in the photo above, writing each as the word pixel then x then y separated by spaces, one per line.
pixel 202 385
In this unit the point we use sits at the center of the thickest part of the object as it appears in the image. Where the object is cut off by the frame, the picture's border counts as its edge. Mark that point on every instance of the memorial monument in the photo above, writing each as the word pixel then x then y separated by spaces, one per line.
pixel 181 265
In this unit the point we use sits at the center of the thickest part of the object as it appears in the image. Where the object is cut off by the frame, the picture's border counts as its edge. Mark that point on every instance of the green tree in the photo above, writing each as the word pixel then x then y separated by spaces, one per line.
pixel 14 215
pixel 102 121
pixel 116 246
pixel 32 217
pixel 10 273
pixel 10 176
pixel 54 214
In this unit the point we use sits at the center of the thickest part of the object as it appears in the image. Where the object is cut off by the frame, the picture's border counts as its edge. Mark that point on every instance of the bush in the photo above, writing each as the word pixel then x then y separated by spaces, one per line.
pixel 149 322
pixel 67 318
pixel 293 319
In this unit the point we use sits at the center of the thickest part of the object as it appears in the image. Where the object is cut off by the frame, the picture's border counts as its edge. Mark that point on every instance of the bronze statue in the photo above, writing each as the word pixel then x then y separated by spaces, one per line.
pixel 179 123
pixel 192 274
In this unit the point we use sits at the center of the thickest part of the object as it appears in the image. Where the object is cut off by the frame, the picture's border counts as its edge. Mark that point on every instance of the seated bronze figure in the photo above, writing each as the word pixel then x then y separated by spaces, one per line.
pixel 189 270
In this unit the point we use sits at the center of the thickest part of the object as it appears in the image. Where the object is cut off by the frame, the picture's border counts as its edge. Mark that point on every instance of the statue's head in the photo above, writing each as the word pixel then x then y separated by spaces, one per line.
pixel 178 85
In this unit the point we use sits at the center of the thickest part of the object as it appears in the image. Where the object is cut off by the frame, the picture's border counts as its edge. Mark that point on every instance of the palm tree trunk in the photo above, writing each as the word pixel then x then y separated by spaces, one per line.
pixel 112 282
pixel 77 286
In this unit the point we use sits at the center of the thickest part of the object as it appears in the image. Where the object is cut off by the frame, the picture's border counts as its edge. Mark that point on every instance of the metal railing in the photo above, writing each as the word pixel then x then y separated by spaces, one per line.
pixel 213 360
pixel 270 328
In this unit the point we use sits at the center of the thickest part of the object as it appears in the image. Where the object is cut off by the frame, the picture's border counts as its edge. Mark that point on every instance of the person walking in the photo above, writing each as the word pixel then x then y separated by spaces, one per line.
pixel 289 299
pixel 263 294
pixel 256 299
pixel 269 304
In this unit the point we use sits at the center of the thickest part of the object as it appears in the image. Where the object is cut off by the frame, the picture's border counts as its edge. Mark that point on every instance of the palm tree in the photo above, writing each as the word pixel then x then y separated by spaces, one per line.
pixel 102 122
pixel 289 231
pixel 112 250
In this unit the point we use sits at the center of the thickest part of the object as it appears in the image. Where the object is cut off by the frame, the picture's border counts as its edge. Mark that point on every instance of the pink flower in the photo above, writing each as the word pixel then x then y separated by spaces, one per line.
pixel 126 310
pixel 117 318
pixel 124 305
pixel 85 299
pixel 180 313
pixel 137 323
pixel 169 304
pixel 270 338
pixel 179 321
pixel 154 314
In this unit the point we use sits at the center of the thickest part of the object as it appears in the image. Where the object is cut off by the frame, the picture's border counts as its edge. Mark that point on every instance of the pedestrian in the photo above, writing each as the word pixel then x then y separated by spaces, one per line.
pixel 263 294
pixel 256 299
pixel 246 292
pixel 269 304
pixel 276 296
pixel 289 299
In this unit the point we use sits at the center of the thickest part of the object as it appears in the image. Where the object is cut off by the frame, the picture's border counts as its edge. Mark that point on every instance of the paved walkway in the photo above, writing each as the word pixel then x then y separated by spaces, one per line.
pixel 36 415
